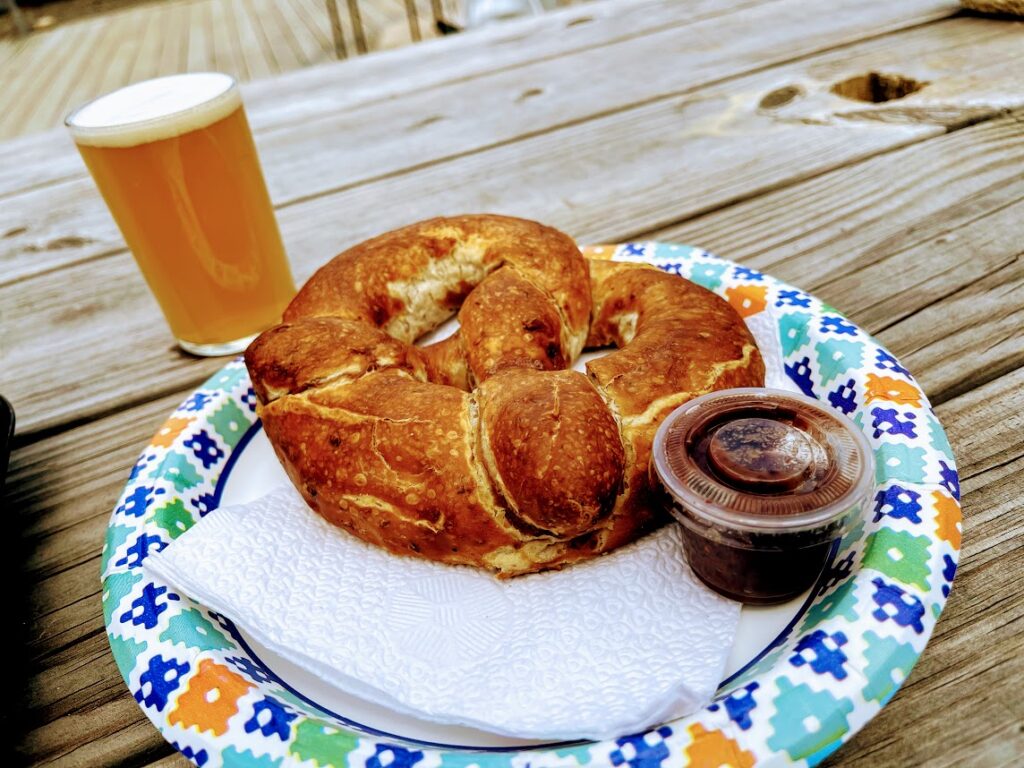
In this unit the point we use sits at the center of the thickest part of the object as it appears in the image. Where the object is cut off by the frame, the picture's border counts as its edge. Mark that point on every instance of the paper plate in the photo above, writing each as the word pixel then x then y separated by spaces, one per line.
pixel 803 677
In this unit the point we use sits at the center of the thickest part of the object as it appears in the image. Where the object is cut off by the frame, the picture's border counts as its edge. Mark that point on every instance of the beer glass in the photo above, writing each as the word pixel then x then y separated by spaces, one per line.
pixel 176 164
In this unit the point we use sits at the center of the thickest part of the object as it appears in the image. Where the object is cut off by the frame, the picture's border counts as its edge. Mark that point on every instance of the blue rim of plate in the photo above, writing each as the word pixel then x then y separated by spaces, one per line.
pixel 838 663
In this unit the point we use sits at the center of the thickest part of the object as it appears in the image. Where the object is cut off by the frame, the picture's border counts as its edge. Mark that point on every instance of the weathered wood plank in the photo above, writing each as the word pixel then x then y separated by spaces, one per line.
pixel 125 296
pixel 897 212
pixel 981 323
pixel 975 660
pixel 199 45
pixel 10 47
pixel 129 29
pixel 638 153
pixel 174 26
pixel 63 496
pixel 555 35
pixel 985 426
pixel 446 122
pixel 301 161
pixel 63 608
pixel 320 25
pixel 278 37
pixel 53 481
pixel 275 51
pixel 986 443
pixel 81 69
pixel 22 98
pixel 256 61
pixel 856 215
pixel 971 154
pixel 968 302
pixel 369 78
pixel 91 49
pixel 334 89
pixel 891 214
pixel 64 544
pixel 150 47
pixel 318 42
pixel 90 80
pixel 236 43
pixel 108 735
pixel 174 760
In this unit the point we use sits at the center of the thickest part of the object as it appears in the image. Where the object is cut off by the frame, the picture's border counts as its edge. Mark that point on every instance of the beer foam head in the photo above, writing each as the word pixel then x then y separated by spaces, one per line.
pixel 155 109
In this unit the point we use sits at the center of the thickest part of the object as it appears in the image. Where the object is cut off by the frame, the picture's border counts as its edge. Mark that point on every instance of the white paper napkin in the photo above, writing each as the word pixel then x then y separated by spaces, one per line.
pixel 765 328
pixel 603 648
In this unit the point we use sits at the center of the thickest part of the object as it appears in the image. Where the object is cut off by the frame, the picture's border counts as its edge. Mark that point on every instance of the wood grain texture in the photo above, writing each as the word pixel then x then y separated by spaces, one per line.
pixel 344 148
pixel 904 214
pixel 245 38
pixel 87 683
pixel 63 490
pixel 75 225
pixel 845 228
pixel 637 152
pixel 974 662
pixel 984 427
pixel 175 760
pixel 982 320
pixel 289 98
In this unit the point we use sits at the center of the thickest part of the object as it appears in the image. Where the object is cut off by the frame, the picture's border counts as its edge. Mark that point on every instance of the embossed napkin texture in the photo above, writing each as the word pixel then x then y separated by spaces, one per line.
pixel 600 649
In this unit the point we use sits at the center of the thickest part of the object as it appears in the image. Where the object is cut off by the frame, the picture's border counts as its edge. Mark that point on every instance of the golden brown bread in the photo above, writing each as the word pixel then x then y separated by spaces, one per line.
pixel 482 449
pixel 552 449
pixel 409 281
pixel 676 341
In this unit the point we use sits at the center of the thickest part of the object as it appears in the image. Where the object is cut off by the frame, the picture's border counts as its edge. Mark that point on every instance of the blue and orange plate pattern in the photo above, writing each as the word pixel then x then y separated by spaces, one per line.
pixel 808 692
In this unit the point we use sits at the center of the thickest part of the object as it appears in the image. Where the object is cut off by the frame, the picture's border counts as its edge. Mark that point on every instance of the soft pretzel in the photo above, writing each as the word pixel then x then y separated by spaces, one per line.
pixel 483 449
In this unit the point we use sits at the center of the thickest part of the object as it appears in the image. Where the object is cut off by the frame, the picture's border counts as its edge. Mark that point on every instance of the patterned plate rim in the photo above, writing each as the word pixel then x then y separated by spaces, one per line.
pixel 839 662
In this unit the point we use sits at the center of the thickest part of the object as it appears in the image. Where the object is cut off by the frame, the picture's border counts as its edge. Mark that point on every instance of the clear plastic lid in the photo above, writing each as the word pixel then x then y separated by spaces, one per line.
pixel 762 460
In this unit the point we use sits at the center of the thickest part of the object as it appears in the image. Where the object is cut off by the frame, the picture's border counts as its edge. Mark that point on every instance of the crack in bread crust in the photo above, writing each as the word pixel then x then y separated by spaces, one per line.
pixel 483 449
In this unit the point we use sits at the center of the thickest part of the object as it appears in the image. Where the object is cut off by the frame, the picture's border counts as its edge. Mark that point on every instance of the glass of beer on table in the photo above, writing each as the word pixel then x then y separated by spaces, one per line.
pixel 176 163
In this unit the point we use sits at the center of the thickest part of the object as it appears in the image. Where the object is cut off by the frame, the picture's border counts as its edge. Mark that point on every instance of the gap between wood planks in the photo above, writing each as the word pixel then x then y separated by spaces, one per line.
pixel 121 709
pixel 95 222
pixel 881 156
pixel 704 85
pixel 985 607
pixel 958 144
pixel 986 426
pixel 976 420
pixel 194 375
pixel 314 139
pixel 647 198
pixel 369 80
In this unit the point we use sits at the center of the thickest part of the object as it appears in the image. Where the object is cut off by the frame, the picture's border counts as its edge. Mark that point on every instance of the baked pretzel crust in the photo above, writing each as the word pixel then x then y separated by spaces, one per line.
pixel 483 449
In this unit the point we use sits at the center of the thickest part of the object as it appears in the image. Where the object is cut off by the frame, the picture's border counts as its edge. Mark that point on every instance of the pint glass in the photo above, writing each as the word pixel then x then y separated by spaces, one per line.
pixel 176 164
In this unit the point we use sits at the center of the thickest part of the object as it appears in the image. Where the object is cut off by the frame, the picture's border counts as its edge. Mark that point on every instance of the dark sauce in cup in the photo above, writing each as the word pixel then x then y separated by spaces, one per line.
pixel 762 481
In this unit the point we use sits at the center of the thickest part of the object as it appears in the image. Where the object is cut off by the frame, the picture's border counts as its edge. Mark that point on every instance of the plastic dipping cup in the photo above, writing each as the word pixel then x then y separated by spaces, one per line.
pixel 176 164
pixel 762 481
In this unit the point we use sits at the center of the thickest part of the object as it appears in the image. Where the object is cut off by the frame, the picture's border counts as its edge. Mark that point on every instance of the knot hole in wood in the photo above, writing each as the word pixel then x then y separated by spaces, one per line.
pixel 780 97
pixel 877 87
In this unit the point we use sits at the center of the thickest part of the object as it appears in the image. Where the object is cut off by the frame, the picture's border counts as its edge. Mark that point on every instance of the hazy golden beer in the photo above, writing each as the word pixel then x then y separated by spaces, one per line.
pixel 176 164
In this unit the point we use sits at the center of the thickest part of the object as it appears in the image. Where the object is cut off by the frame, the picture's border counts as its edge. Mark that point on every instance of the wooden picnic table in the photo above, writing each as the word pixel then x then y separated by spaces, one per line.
pixel 869 152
